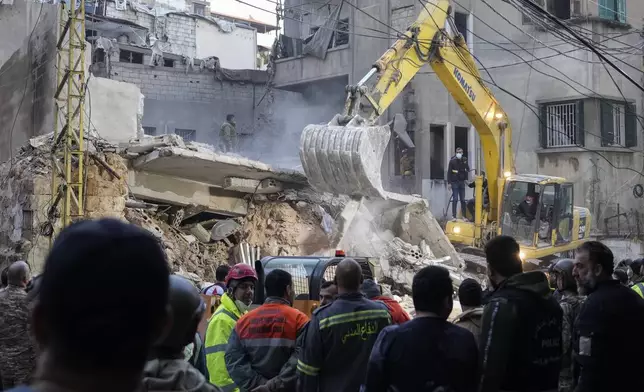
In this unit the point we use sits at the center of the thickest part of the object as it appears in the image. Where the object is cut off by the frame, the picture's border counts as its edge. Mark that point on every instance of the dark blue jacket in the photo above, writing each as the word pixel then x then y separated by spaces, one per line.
pixel 423 354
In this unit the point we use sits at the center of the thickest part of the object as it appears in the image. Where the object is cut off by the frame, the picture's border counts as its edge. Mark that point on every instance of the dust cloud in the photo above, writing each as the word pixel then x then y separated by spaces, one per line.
pixel 276 138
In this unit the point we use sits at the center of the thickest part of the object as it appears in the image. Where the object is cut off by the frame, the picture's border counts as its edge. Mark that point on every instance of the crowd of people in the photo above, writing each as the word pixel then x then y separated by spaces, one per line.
pixel 107 315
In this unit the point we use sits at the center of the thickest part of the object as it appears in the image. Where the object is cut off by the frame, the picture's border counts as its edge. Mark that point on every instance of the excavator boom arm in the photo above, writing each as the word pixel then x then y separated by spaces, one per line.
pixel 345 155
pixel 426 41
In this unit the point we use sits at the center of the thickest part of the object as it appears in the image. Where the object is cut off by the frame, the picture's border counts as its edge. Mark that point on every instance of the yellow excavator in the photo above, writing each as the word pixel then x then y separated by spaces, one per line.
pixel 345 156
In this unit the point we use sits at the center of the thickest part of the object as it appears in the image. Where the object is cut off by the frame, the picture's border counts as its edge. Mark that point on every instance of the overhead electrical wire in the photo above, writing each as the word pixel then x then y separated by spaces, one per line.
pixel 551 17
pixel 619 89
pixel 593 95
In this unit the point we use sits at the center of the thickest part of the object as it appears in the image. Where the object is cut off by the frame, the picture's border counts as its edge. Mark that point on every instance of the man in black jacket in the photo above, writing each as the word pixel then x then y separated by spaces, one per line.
pixel 521 327
pixel 426 353
pixel 457 172
pixel 607 358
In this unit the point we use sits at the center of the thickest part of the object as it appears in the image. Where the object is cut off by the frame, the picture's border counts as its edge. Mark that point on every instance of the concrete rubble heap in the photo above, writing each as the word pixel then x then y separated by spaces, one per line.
pixel 281 219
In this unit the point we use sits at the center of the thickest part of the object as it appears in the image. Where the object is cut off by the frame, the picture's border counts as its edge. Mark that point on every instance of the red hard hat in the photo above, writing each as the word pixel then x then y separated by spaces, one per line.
pixel 241 271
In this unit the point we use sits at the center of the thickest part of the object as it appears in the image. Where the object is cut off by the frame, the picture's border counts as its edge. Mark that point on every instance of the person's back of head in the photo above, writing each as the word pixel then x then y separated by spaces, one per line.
pixel 279 283
pixel 18 274
pixel 621 276
pixel 222 272
pixel 103 299
pixel 563 271
pixel 432 292
pixel 370 288
pixel 636 267
pixel 348 276
pixel 4 277
pixel 470 293
pixel 503 258
pixel 187 310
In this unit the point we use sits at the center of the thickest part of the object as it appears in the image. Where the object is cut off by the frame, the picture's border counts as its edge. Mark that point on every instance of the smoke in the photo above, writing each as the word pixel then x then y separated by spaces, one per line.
pixel 276 139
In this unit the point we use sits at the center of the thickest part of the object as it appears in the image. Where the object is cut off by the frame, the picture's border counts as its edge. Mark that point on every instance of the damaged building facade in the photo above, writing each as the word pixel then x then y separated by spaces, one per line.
pixel 193 67
pixel 205 207
pixel 574 121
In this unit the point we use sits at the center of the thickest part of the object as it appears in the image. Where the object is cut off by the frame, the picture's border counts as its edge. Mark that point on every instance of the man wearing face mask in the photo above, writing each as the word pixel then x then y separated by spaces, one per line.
pixel 240 289
pixel 521 325
pixel 611 315
pixel 457 172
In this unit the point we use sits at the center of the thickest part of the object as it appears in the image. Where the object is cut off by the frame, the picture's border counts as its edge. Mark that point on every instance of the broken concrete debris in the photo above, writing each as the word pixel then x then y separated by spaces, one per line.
pixel 285 218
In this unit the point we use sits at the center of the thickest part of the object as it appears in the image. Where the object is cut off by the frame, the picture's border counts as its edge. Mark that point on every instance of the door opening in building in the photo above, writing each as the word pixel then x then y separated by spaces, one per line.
pixel 437 152
pixel 461 139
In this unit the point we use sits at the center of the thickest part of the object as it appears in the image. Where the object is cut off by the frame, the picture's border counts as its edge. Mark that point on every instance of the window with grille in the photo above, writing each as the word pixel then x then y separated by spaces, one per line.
pixel 614 10
pixel 150 131
pixel 618 124
pixel 188 135
pixel 561 124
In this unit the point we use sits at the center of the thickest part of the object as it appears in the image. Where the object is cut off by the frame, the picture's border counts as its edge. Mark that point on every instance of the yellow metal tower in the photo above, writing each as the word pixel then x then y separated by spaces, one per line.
pixel 68 150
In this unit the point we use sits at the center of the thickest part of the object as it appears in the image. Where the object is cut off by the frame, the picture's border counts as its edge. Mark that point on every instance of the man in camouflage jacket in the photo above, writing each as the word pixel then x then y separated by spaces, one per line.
pixel 17 352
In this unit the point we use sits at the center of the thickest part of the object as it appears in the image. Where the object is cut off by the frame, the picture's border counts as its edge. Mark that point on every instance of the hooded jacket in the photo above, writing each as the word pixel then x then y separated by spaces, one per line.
pixel 520 340
pixel 471 320
pixel 174 375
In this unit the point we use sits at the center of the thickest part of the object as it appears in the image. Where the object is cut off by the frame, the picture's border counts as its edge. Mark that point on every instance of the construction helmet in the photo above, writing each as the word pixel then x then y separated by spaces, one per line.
pixel 563 268
pixel 187 310
pixel 241 271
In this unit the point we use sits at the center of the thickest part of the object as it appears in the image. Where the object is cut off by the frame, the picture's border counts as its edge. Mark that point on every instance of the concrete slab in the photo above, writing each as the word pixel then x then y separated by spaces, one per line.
pixel 211 168
pixel 173 190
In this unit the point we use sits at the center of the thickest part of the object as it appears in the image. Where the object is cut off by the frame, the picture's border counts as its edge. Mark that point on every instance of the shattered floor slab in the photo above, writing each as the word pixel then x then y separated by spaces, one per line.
pixel 211 167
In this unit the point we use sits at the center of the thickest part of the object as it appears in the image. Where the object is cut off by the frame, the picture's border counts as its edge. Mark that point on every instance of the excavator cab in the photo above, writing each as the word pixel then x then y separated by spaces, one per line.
pixel 308 272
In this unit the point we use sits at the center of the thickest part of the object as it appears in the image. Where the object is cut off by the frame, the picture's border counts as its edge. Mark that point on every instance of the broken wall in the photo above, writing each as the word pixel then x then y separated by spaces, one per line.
pixel 196 101
pixel 27 74
pixel 116 109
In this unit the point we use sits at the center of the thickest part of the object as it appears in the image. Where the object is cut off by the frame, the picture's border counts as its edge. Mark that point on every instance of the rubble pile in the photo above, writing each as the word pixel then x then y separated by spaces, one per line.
pixel 287 229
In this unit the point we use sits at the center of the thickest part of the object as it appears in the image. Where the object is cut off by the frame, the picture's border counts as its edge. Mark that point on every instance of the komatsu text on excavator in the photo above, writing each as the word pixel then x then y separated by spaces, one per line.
pixel 345 156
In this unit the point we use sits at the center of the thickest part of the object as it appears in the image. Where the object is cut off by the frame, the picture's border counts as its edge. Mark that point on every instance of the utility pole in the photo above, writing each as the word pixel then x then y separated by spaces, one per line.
pixel 68 149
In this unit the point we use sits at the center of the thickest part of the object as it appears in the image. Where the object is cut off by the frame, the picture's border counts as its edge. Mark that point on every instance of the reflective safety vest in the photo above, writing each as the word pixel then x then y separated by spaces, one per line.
pixel 639 289
pixel 219 329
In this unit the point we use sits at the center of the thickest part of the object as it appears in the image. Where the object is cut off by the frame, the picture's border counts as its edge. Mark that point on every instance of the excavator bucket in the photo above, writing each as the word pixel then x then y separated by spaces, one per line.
pixel 345 159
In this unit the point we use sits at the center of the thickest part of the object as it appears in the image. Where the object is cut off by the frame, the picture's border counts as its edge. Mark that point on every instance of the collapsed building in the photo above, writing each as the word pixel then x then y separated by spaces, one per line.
pixel 208 209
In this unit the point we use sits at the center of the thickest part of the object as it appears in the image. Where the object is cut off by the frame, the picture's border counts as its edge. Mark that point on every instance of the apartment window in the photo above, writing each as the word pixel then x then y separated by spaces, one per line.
pixel 560 124
pixel 199 9
pixel 560 9
pixel 437 152
pixel 618 124
pixel 340 35
pixel 188 135
pixel 168 63
pixel 460 20
pixel 614 10
pixel 127 56
pixel 150 131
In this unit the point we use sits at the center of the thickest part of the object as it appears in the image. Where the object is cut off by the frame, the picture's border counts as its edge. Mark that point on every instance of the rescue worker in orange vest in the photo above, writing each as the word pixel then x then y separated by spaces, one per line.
pixel 240 288
pixel 261 353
